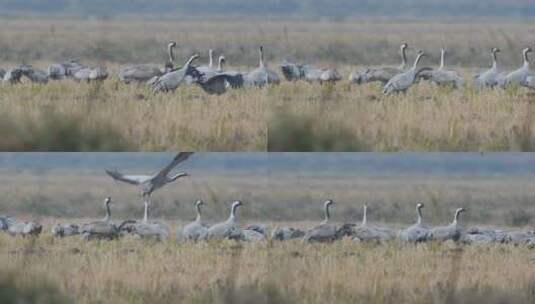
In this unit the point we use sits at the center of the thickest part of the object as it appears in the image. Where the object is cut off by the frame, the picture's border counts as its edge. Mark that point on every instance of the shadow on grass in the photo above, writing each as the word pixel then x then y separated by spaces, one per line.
pixel 53 131
pixel 39 291
pixel 299 133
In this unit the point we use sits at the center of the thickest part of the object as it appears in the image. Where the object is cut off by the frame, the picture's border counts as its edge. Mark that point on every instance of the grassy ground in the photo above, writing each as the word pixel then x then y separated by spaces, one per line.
pixel 427 118
pixel 355 41
pixel 111 116
pixel 132 271
pixel 68 116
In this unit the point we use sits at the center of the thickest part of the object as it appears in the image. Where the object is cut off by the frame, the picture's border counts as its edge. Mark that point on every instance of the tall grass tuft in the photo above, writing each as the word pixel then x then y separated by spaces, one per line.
pixel 16 290
pixel 50 130
pixel 294 133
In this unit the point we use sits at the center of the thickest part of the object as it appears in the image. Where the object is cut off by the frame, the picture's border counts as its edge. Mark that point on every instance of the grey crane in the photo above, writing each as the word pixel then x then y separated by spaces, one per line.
pixel 364 232
pixel 250 235
pixel 210 67
pixel 313 74
pixel 91 74
pixel 12 76
pixel 417 232
pixel 444 77
pixel 476 235
pixel 286 233
pixel 382 74
pixel 57 71
pixel 196 229
pixel 291 71
pixel 489 78
pixel 517 237
pixel 150 230
pixel 450 232
pixel 63 230
pixel 324 232
pixel 219 81
pixel 150 183
pixel 519 76
pixel 4 222
pixel 16 227
pixel 228 228
pixel 142 73
pixel 173 79
pixel 208 71
pixel 34 75
pixel 330 75
pixel 262 75
pixel 220 62
pixel 530 82
pixel 103 229
pixel 401 82
pixel 254 233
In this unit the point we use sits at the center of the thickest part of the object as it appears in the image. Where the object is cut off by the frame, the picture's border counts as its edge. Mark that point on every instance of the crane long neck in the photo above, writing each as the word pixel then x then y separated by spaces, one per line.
pixel 190 60
pixel 211 62
pixel 261 58
pixel 494 60
pixel 220 65
pixel 416 61
pixel 403 58
pixel 171 54
pixel 327 213
pixel 456 217
pixel 364 216
pixel 442 53
pixel 419 211
pixel 526 59
pixel 108 213
pixel 233 212
pixel 146 212
pixel 198 206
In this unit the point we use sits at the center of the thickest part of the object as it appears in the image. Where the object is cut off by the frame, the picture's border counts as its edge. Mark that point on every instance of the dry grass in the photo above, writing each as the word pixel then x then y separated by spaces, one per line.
pixel 131 271
pixel 355 41
pixel 317 119
pixel 186 120
pixel 427 118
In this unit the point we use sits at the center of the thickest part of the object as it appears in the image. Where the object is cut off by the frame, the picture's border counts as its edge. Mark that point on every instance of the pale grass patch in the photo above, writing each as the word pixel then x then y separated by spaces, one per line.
pixel 188 119
pixel 426 118
pixel 133 271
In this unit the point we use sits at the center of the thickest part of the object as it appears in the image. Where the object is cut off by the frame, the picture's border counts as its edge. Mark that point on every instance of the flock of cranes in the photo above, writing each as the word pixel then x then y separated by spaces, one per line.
pixel 217 80
pixel 198 230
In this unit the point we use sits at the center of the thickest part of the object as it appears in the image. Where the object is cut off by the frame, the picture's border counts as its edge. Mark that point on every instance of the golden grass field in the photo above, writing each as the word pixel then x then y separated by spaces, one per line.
pixel 133 271
pixel 290 117
pixel 427 118
pixel 129 118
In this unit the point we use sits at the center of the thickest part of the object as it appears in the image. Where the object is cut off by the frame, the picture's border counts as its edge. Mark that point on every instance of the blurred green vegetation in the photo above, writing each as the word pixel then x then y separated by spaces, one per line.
pixel 51 130
pixel 289 132
pixel 14 290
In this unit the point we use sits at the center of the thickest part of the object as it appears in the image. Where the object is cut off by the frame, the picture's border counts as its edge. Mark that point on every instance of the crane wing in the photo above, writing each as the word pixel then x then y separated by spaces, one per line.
pixel 131 179
pixel 180 157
